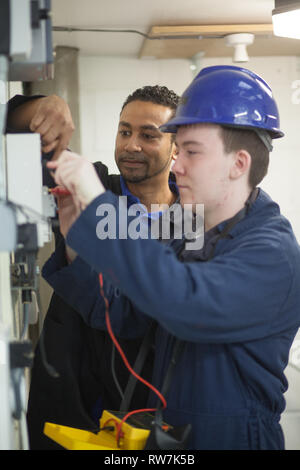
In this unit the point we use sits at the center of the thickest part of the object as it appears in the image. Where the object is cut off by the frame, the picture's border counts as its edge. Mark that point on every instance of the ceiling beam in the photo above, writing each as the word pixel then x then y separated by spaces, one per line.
pixel 210 30
pixel 173 42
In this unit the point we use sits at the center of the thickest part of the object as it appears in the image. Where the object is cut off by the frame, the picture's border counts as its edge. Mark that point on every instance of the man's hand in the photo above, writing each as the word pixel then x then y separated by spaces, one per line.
pixel 79 177
pixel 50 117
pixel 53 121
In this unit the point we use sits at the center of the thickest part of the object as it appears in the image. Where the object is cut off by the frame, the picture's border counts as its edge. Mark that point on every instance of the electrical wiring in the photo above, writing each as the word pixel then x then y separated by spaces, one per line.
pixel 113 354
pixel 25 321
pixel 121 352
pixel 23 208
pixel 72 29
pixel 49 368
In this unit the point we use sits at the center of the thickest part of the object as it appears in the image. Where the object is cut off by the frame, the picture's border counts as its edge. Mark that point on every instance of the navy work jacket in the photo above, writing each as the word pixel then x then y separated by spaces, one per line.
pixel 238 314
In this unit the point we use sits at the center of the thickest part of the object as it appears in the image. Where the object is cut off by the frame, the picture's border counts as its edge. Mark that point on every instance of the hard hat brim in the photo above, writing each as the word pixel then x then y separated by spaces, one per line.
pixel 173 125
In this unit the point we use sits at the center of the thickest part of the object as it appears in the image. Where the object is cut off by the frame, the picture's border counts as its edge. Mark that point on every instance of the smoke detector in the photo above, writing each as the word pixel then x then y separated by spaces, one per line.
pixel 240 41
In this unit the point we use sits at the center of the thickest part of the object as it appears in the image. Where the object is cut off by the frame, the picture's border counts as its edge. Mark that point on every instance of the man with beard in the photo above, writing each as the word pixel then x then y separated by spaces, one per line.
pixel 82 356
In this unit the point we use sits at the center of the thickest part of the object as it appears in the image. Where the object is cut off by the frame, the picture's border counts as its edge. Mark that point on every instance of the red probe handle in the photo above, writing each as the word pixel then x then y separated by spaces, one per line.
pixel 59 191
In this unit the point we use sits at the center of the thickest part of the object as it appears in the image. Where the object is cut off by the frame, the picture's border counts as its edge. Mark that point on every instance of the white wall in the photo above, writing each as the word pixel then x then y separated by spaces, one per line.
pixel 105 82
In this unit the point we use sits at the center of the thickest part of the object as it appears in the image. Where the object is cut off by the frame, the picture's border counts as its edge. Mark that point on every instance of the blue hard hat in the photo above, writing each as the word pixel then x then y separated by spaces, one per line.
pixel 228 96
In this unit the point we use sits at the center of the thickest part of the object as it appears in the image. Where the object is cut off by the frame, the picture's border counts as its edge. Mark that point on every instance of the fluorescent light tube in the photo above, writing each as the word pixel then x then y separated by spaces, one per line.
pixel 286 21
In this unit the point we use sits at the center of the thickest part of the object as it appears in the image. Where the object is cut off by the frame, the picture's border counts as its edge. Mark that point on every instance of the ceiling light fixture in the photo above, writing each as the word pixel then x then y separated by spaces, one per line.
pixel 239 41
pixel 286 18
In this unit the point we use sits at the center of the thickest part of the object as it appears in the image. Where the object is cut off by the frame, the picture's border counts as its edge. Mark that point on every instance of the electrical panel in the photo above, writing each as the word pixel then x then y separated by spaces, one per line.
pixel 26 210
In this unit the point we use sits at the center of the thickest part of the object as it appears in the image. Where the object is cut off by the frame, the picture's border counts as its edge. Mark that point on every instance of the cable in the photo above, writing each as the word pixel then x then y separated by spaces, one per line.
pixel 130 413
pixel 24 431
pixel 108 324
pixel 114 371
pixel 49 368
pixel 121 352
pixel 24 208
pixel 25 320
pixel 72 29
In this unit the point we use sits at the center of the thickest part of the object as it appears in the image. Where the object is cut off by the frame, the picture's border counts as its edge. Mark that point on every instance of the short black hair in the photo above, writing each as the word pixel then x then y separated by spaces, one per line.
pixel 154 94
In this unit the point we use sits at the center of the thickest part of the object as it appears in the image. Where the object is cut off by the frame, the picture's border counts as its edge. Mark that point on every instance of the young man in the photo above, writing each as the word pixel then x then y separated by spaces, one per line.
pixel 84 357
pixel 234 305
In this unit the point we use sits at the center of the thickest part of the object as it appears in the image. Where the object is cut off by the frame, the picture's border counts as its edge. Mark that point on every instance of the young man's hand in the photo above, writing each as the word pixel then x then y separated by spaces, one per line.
pixel 67 213
pixel 78 175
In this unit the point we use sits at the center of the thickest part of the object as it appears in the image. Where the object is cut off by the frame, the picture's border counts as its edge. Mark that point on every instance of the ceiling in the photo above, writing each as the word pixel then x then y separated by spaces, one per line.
pixel 142 16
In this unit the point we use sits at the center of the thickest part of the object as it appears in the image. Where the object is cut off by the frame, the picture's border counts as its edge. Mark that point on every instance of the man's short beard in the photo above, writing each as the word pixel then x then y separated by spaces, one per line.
pixel 140 178
pixel 135 179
